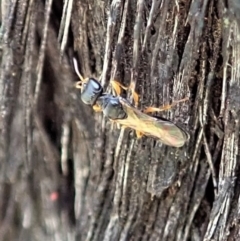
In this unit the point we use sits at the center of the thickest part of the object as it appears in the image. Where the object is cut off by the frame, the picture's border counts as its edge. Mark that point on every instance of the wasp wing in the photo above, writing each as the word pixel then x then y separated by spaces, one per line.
pixel 166 131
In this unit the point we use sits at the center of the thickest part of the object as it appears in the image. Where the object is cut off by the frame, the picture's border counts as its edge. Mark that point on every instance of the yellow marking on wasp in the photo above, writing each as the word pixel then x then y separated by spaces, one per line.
pixel 139 134
pixel 97 108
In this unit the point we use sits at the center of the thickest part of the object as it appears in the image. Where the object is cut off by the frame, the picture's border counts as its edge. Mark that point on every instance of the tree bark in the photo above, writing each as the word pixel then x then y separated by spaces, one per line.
pixel 66 173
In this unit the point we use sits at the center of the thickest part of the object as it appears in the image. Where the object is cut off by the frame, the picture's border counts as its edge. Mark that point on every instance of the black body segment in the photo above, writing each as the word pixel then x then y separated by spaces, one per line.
pixel 111 107
pixel 90 92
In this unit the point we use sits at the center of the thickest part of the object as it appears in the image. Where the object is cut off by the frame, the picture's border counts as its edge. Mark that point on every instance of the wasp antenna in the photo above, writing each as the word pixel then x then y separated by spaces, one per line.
pixel 75 64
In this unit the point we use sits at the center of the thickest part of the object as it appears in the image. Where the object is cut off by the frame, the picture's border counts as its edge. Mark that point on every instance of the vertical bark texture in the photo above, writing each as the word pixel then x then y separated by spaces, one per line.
pixel 66 173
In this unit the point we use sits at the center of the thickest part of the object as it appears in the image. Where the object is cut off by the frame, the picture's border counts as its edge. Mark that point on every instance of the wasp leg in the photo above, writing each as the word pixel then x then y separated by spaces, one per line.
pixel 165 107
pixel 97 108
pixel 134 94
pixel 135 98
pixel 139 134
pixel 118 86
pixel 115 123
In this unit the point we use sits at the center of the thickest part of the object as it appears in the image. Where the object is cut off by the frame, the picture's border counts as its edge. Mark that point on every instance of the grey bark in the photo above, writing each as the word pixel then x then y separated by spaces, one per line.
pixel 66 173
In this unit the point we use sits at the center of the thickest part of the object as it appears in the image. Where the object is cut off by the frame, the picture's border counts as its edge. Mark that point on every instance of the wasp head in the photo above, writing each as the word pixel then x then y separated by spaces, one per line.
pixel 91 90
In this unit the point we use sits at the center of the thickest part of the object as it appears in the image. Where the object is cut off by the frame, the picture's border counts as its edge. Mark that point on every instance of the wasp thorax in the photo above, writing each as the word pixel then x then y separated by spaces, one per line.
pixel 91 90
pixel 111 107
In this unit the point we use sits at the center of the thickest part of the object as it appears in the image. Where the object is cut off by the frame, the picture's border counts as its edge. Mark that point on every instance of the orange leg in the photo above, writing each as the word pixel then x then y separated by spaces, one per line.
pixel 118 86
pixel 139 134
pixel 165 107
pixel 115 123
pixel 134 94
